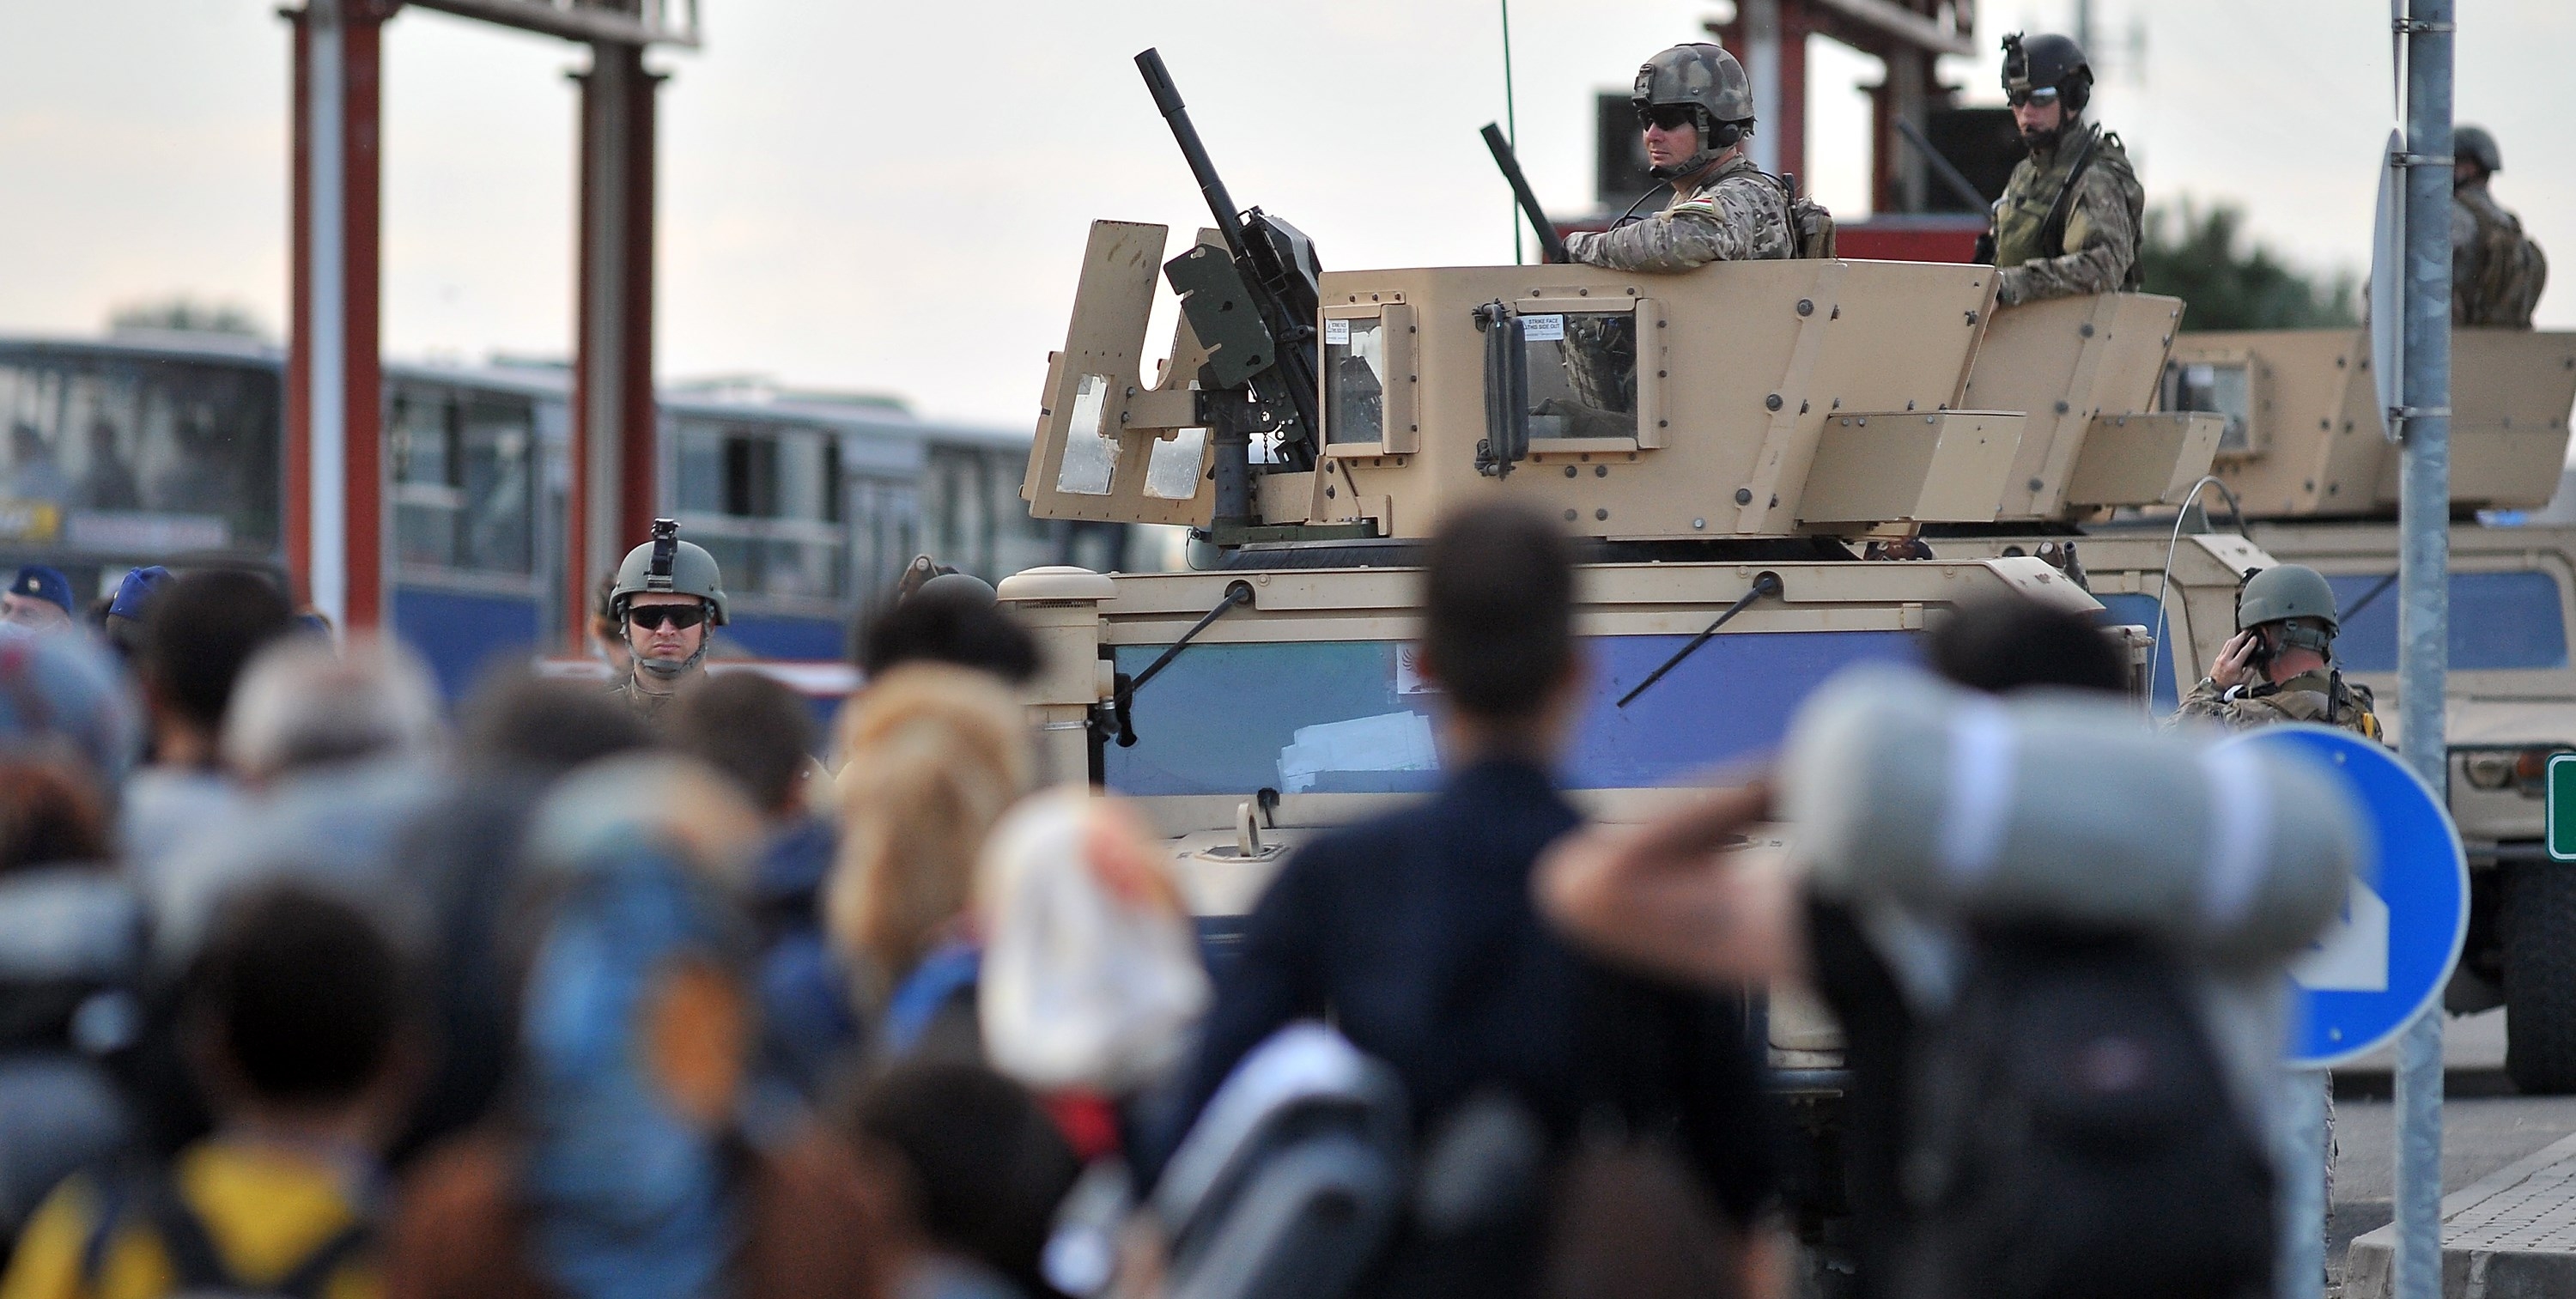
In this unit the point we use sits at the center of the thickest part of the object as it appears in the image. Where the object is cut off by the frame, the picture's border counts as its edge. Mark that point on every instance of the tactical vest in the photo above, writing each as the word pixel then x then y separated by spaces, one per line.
pixel 2508 268
pixel 2031 217
pixel 2322 696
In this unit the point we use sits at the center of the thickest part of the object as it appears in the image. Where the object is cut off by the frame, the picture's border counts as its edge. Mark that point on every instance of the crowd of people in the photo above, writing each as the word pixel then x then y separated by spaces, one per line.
pixel 310 989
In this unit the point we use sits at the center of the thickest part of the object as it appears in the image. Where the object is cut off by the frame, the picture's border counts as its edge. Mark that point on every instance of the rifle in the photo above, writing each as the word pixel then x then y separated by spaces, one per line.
pixel 1270 350
pixel 1550 244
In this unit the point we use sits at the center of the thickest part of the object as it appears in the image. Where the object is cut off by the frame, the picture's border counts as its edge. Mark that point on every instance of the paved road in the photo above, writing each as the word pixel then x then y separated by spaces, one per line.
pixel 2484 1126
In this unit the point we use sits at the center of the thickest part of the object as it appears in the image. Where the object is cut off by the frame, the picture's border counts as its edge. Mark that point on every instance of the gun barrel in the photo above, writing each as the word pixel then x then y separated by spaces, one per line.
pixel 1551 244
pixel 1167 99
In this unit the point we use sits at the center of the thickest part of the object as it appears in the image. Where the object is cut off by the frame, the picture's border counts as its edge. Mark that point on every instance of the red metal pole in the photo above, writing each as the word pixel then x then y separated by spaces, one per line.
pixel 614 490
pixel 334 500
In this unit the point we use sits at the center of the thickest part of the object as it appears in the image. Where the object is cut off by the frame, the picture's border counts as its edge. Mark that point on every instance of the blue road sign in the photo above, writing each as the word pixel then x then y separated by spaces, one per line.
pixel 2402 929
pixel 2389 954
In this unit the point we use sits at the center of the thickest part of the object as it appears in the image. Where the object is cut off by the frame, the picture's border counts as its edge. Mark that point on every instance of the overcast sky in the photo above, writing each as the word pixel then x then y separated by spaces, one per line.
pixel 893 198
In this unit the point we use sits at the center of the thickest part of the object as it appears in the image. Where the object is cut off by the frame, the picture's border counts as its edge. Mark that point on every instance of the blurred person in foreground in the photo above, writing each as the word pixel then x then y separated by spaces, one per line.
pixel 760 735
pixel 201 632
pixel 1416 934
pixel 38 599
pixel 632 1161
pixel 518 734
pixel 931 755
pixel 1905 918
pixel 947 617
pixel 71 931
pixel 121 623
pixel 297 1023
pixel 980 1170
pixel 336 752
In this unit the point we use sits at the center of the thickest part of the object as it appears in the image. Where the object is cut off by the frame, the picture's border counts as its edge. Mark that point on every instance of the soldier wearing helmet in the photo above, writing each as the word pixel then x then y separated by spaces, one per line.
pixel 668 599
pixel 1696 108
pixel 2069 220
pixel 2279 667
pixel 2496 270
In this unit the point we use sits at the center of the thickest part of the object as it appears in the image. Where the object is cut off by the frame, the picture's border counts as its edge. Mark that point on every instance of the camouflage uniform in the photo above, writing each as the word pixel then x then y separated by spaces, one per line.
pixel 2494 281
pixel 1738 213
pixel 2319 695
pixel 2099 249
pixel 643 703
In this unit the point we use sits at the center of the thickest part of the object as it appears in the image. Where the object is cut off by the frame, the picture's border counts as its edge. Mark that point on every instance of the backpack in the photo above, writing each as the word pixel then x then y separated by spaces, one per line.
pixel 1811 224
pixel 2510 271
pixel 2073 1135
pixel 194 1257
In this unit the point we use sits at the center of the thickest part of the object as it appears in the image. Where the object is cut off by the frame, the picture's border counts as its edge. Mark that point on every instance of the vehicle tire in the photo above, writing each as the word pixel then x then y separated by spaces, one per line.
pixel 2539 932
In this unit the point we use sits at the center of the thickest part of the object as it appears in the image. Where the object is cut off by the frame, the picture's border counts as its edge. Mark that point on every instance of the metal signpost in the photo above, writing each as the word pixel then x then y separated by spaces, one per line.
pixel 2377 971
pixel 2423 585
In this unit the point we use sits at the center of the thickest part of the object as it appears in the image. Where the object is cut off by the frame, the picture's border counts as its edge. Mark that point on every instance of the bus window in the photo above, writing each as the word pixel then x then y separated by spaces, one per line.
pixel 462 478
pixel 766 501
pixel 120 455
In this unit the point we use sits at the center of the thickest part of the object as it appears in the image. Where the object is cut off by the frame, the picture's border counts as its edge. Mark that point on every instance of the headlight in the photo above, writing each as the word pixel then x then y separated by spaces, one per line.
pixel 2523 769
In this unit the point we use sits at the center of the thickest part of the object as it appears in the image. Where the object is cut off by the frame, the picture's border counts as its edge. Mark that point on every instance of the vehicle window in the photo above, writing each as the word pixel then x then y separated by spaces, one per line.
pixel 2119 609
pixel 1354 383
pixel 1355 716
pixel 766 500
pixel 124 456
pixel 2499 620
pixel 463 478
pixel 1582 374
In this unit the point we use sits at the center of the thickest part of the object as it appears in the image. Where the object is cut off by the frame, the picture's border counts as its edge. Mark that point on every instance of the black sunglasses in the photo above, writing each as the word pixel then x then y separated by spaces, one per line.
pixel 654 617
pixel 1671 117
pixel 2044 96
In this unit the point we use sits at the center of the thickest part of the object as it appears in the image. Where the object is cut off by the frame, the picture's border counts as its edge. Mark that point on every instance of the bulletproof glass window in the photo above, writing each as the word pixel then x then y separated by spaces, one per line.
pixel 1090 451
pixel 2226 388
pixel 463 478
pixel 1172 470
pixel 137 457
pixel 2504 620
pixel 1582 374
pixel 1356 716
pixel 1355 380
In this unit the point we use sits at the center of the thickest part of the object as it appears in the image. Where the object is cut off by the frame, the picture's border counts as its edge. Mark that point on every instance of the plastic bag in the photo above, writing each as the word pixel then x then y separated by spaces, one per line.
pixel 1091 974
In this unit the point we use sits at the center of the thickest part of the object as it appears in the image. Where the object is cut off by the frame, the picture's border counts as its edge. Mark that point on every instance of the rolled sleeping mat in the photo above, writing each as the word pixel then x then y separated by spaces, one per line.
pixel 2057 807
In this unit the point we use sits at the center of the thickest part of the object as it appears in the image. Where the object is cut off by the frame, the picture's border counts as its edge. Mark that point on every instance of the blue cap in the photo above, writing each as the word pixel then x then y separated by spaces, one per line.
pixel 43 583
pixel 135 590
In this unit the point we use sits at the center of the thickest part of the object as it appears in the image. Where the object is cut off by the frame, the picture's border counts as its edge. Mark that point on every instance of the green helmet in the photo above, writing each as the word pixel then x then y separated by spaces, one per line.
pixel 2473 144
pixel 1705 78
pixel 668 564
pixel 2286 591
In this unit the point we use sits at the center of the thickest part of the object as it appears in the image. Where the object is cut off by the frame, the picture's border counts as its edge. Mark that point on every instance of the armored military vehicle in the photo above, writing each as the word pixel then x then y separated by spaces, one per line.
pixel 1747 451
pixel 2305 453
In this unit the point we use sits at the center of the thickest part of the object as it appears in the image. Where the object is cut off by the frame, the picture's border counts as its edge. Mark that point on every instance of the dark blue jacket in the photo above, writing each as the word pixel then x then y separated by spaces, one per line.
pixel 1418 932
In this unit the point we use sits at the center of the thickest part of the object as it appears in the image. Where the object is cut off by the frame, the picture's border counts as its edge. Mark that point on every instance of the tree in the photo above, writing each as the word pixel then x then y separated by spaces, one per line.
pixel 188 315
pixel 2197 255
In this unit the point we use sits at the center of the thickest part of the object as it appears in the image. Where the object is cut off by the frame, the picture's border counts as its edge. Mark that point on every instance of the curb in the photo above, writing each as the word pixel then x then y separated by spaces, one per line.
pixel 2510 1235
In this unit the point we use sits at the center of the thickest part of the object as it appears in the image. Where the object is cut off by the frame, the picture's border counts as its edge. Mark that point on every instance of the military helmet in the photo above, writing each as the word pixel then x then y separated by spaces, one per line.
pixel 2473 144
pixel 1701 74
pixel 668 564
pixel 2037 64
pixel 2286 591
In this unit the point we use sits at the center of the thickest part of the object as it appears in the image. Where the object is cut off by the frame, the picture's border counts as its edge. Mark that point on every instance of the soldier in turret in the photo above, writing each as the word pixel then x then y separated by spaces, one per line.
pixel 2496 270
pixel 2280 665
pixel 1696 108
pixel 2068 223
